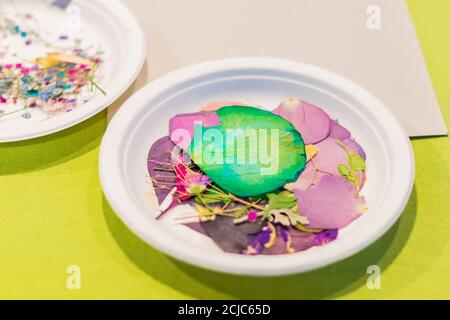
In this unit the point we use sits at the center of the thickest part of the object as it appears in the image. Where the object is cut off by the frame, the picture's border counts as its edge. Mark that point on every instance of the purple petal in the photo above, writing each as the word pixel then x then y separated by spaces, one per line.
pixel 332 204
pixel 338 132
pixel 325 236
pixel 311 121
pixel 355 147
pixel 181 127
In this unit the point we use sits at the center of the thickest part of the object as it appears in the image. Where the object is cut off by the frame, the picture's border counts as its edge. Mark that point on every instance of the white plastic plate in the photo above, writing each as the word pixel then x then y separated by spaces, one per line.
pixel 263 82
pixel 108 24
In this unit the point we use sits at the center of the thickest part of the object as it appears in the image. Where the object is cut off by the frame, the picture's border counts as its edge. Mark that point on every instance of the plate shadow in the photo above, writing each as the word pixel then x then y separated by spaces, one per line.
pixel 41 153
pixel 329 282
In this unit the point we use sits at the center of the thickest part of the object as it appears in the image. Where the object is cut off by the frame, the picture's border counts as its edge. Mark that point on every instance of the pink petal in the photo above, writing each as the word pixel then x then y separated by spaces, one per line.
pixel 339 132
pixel 182 126
pixel 311 121
pixel 329 155
pixel 309 177
pixel 216 105
pixel 332 204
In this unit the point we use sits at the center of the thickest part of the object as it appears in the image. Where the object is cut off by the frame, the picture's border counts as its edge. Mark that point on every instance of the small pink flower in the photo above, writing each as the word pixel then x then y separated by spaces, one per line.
pixel 3 100
pixel 252 216
pixel 190 183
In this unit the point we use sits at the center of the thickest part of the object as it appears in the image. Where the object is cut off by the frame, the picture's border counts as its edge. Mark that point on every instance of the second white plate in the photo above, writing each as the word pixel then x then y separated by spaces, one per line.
pixel 108 24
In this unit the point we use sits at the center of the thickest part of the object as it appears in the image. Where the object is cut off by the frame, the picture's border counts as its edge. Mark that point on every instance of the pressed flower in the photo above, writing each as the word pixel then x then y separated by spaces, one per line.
pixel 196 183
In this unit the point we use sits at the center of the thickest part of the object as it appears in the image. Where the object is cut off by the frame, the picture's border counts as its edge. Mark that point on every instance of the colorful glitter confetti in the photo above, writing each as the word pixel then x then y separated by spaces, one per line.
pixel 58 82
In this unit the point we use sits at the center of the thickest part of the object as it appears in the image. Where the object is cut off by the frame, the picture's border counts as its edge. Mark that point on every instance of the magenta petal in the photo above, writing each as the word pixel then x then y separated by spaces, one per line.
pixel 332 204
pixel 355 147
pixel 182 126
pixel 338 132
pixel 311 121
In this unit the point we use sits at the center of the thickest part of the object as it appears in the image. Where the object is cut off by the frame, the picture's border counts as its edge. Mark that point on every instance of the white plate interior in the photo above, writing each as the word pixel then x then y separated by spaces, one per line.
pixel 107 24
pixel 260 82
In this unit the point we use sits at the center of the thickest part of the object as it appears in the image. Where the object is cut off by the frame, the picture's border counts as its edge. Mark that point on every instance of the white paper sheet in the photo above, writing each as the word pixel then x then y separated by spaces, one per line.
pixel 341 36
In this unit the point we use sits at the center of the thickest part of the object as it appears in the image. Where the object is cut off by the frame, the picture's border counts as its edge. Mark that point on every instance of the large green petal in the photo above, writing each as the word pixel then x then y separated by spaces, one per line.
pixel 251 152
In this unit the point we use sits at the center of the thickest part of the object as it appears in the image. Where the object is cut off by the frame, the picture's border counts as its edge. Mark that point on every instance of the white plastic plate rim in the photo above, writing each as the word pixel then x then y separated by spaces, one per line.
pixel 114 181
pixel 134 35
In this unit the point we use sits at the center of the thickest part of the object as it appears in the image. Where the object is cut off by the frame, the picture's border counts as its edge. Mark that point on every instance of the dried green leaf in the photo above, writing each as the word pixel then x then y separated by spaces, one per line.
pixel 356 163
pixel 302 228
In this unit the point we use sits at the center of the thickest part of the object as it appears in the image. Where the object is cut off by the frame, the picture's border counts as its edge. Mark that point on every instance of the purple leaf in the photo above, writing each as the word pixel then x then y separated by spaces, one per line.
pixel 230 237
pixel 197 226
pixel 159 164
pixel 332 204
pixel 311 121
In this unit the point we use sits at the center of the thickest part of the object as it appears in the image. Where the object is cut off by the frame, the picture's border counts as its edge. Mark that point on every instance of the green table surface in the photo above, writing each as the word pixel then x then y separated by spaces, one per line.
pixel 53 214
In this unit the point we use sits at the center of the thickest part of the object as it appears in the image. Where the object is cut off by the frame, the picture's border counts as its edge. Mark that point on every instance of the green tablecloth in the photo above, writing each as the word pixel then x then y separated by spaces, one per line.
pixel 53 215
